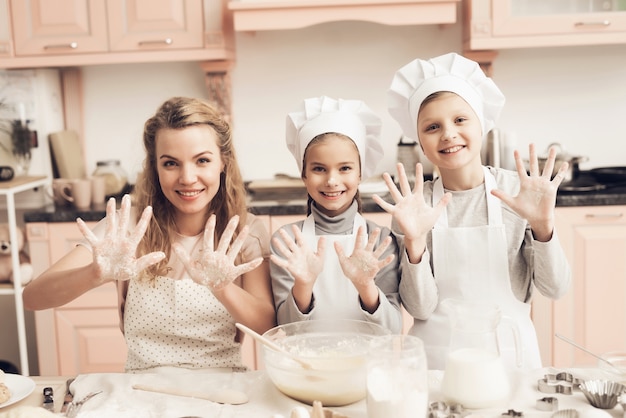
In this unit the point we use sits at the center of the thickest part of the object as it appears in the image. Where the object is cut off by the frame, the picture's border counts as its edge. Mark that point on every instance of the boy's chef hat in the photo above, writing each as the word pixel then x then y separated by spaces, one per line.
pixel 352 118
pixel 450 72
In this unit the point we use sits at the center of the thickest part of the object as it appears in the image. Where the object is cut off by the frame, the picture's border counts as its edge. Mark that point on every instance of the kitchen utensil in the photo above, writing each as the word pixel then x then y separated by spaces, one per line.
pixel 266 342
pixel 67 154
pixel 48 399
pixel 561 157
pixel 567 340
pixel 602 394
pixel 475 376
pixel 67 400
pixel 74 407
pixel 337 350
pixel 222 395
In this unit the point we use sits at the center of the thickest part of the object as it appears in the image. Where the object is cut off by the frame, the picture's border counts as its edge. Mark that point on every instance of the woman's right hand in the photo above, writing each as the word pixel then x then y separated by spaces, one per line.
pixel 114 255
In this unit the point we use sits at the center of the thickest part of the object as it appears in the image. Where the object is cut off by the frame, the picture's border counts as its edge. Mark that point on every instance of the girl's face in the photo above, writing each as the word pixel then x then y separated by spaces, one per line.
pixel 450 132
pixel 332 173
pixel 189 165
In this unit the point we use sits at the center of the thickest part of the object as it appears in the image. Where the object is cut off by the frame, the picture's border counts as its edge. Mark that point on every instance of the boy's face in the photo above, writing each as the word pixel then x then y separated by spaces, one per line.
pixel 450 132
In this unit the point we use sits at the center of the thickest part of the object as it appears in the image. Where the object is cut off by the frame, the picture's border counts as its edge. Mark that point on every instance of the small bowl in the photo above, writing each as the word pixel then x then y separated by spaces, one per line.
pixel 617 359
pixel 603 394
pixel 337 350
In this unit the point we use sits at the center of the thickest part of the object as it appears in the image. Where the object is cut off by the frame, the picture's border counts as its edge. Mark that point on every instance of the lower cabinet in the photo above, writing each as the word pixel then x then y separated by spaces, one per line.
pixel 593 312
pixel 82 336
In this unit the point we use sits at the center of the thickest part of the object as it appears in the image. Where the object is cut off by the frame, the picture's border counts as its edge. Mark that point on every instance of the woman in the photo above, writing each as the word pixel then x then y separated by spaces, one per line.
pixel 182 284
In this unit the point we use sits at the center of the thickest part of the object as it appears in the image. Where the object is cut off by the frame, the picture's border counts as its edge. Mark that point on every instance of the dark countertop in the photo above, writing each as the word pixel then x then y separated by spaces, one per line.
pixel 581 192
pixel 610 196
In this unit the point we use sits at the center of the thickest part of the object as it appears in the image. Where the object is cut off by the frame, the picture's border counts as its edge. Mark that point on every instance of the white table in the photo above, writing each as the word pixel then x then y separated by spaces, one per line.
pixel 121 400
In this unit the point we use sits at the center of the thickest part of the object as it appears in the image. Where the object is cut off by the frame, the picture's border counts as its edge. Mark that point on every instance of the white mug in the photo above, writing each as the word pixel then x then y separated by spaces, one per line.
pixel 80 193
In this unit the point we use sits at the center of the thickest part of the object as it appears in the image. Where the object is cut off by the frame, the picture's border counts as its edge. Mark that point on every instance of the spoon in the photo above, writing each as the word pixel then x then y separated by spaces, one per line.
pixel 265 341
pixel 567 340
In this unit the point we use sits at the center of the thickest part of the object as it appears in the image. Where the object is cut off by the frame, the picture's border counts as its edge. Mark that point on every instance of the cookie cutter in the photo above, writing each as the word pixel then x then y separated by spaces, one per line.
pixel 512 413
pixel 563 383
pixel 441 409
pixel 549 403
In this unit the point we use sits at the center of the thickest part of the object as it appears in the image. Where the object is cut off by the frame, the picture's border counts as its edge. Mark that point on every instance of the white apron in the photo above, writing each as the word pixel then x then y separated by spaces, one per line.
pixel 471 263
pixel 178 323
pixel 335 295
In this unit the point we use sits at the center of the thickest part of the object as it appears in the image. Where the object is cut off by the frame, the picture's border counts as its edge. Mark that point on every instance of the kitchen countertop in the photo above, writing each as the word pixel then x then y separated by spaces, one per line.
pixel 266 401
pixel 297 206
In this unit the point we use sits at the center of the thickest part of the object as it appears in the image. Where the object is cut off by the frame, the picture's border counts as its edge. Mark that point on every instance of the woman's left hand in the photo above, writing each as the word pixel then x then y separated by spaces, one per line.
pixel 216 268
pixel 362 266
pixel 536 199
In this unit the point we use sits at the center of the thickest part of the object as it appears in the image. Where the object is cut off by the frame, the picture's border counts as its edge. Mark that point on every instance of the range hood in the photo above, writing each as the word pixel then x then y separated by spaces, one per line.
pixel 256 15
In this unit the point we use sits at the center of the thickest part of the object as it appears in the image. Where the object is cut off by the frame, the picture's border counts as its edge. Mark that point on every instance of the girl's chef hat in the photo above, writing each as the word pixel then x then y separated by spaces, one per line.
pixel 450 72
pixel 352 118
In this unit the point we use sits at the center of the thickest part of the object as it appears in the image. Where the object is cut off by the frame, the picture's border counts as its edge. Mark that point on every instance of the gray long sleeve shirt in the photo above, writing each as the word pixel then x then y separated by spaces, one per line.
pixel 387 280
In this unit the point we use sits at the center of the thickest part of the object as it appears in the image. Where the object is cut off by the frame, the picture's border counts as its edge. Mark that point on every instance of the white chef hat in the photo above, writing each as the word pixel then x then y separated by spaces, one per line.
pixel 450 72
pixel 352 118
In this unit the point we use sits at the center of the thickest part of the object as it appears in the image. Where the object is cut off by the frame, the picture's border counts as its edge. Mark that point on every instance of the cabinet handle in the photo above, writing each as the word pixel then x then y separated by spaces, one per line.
pixel 166 41
pixel 71 45
pixel 604 215
pixel 596 23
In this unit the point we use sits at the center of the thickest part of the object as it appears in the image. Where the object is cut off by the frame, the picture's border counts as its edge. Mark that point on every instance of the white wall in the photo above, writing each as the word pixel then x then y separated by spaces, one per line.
pixel 573 95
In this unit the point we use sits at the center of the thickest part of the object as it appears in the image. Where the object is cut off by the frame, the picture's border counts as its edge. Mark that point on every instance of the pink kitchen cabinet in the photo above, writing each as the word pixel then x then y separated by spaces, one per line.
pixel 503 24
pixel 84 32
pixel 82 336
pixel 593 312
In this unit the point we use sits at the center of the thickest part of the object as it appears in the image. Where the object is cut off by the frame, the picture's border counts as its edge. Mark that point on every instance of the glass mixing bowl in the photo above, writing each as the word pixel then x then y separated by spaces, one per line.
pixel 337 350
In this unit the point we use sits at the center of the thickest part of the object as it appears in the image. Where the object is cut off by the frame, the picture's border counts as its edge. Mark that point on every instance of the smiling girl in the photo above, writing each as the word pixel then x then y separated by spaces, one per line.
pixel 188 263
pixel 327 266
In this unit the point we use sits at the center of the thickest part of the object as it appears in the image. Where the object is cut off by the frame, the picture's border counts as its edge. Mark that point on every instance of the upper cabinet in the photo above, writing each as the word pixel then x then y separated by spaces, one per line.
pixel 255 15
pixel 501 24
pixel 83 32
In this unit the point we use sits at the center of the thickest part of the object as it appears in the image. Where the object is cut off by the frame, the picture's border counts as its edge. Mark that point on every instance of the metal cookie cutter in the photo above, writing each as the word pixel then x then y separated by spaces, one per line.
pixel 562 382
pixel 549 403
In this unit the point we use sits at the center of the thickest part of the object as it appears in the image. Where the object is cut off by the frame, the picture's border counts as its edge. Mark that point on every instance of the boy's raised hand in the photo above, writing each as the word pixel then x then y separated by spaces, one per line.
pixel 413 216
pixel 536 199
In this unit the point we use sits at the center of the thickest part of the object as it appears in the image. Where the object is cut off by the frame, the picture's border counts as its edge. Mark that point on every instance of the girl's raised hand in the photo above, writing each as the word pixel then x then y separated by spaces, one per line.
pixel 216 268
pixel 114 255
pixel 536 199
pixel 362 266
pixel 297 258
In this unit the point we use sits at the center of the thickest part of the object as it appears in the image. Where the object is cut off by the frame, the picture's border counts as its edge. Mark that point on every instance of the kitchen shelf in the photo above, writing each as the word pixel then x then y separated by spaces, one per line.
pixel 10 189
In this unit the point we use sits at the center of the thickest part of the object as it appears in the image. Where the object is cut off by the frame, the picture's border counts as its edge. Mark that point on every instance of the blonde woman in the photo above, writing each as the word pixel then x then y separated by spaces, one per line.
pixel 188 260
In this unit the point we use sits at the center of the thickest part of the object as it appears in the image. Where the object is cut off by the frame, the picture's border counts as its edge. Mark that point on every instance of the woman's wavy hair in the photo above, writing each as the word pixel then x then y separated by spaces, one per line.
pixel 230 200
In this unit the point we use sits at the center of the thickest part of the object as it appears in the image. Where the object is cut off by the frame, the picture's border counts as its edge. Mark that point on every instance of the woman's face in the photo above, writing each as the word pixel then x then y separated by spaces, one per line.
pixel 332 173
pixel 449 132
pixel 189 165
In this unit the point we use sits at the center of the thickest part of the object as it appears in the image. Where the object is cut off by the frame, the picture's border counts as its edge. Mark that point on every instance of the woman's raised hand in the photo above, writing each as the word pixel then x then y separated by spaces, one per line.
pixel 362 266
pixel 115 254
pixel 215 268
